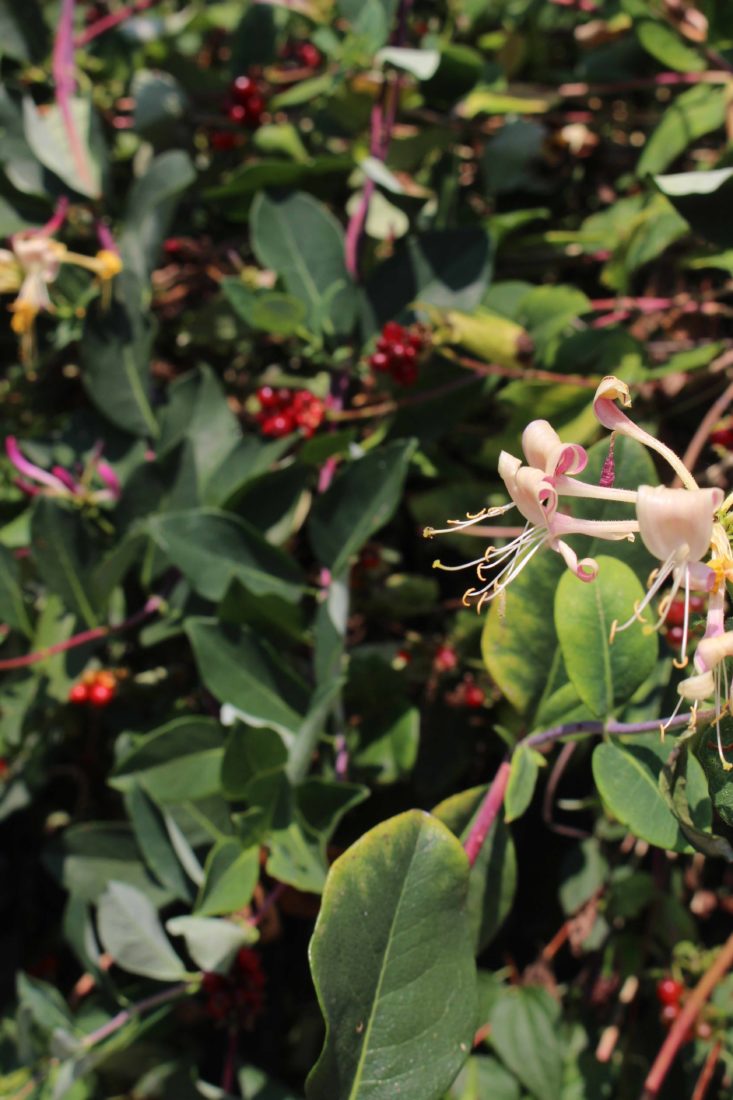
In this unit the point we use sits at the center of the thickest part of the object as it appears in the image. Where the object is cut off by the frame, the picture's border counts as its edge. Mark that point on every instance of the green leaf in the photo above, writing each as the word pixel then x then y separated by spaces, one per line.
pixel 48 137
pixel 44 1004
pixel 297 858
pixel 61 548
pixel 392 962
pixel 115 356
pixel 250 753
pixel 213 548
pixel 524 1034
pixel 718 778
pixel 446 268
pixel 694 113
pixel 131 932
pixel 241 670
pixel 484 1078
pixel 180 762
pixel 12 604
pixel 603 674
pixel 230 877
pixel 362 498
pixel 151 204
pixel 304 244
pixel 668 47
pixel 155 843
pixel 419 63
pixel 23 33
pixel 627 774
pixel 526 763
pixel 702 198
pixel 280 314
pixel 583 872
pixel 212 944
pixel 519 641
pixel 85 858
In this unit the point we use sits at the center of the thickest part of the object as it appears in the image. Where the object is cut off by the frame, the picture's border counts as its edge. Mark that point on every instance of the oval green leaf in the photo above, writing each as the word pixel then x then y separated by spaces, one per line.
pixel 392 961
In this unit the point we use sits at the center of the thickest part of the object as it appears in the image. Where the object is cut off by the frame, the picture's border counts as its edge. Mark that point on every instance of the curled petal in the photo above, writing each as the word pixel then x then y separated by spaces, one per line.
pixel 611 390
pixel 545 450
pixel 109 478
pixel 677 521
pixel 585 570
pixel 711 651
pixel 25 466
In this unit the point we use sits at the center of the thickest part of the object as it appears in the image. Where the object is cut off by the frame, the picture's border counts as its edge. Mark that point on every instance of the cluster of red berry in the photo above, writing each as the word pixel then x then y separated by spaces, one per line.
pixel 675 619
pixel 244 106
pixel 398 351
pixel 237 997
pixel 723 437
pixel 466 693
pixel 283 410
pixel 96 688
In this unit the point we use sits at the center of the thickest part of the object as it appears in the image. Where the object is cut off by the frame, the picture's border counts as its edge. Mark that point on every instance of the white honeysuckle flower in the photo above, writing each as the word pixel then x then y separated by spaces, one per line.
pixel 711 681
pixel 676 526
pixel 535 494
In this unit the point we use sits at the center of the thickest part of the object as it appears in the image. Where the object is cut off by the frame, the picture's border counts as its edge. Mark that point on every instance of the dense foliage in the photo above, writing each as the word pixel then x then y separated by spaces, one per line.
pixel 288 285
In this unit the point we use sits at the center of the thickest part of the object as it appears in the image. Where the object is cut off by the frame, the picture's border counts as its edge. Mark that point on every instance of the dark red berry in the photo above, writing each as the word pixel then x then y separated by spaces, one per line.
pixel 380 361
pixel 723 438
pixel 697 604
pixel 100 695
pixel 392 332
pixel 675 613
pixel 675 635
pixel 669 991
pixel 267 397
pixel 473 696
pixel 242 88
pixel 669 1014
pixel 223 140
pixel 79 693
pixel 308 55
pixel 4 768
pixel 238 113
pixel 445 659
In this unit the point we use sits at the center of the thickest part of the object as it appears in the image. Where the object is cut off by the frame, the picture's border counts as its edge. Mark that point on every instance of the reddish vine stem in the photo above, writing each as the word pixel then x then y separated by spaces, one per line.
pixel 488 812
pixel 107 22
pixel 685 1020
pixel 116 1022
pixel 706 1075
pixel 95 634
pixel 65 85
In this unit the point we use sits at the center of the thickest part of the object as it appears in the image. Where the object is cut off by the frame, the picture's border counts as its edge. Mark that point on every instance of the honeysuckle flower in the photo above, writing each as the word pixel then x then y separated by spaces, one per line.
pixel 536 493
pixel 711 681
pixel 59 482
pixel 676 526
pixel 611 390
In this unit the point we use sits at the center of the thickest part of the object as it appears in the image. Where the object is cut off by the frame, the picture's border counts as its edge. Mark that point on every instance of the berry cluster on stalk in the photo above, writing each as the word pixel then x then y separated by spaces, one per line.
pixel 283 410
pixel 237 997
pixel 96 688
pixel 245 103
pixel 398 352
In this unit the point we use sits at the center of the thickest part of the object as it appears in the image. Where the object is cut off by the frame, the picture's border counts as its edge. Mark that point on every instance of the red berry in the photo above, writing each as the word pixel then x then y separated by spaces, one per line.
pixel 100 695
pixel 445 659
pixel 669 991
pixel 4 767
pixel 473 696
pixel 212 982
pixel 282 423
pixel 392 332
pixel 172 246
pixel 675 613
pixel 697 604
pixel 379 361
pixel 242 88
pixel 669 1014
pixel 79 693
pixel 404 372
pixel 238 113
pixel 398 351
pixel 308 55
pixel 723 438
pixel 223 140
pixel 675 634
pixel 267 397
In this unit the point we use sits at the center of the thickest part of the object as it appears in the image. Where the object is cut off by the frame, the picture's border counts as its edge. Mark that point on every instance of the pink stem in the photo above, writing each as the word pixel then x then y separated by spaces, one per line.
pixel 63 76
pixel 488 812
pixel 105 238
pixel 95 634
pixel 107 22
pixel 57 219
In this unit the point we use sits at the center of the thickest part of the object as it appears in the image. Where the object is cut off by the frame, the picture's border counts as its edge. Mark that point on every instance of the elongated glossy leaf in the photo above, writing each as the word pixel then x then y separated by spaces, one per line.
pixel 241 670
pixel 519 641
pixel 115 354
pixel 524 1035
pixel 522 782
pixel 180 762
pixel 627 776
pixel 360 501
pixel 72 160
pixel 150 207
pixel 393 965
pixel 667 45
pixel 231 875
pixel 692 114
pixel 61 548
pixel 155 843
pixel 12 605
pixel 602 673
pixel 304 244
pixel 213 548
pixel 130 930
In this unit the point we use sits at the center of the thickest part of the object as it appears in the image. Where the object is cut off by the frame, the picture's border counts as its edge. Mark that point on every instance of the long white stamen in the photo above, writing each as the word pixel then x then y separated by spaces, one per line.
pixel 662 575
